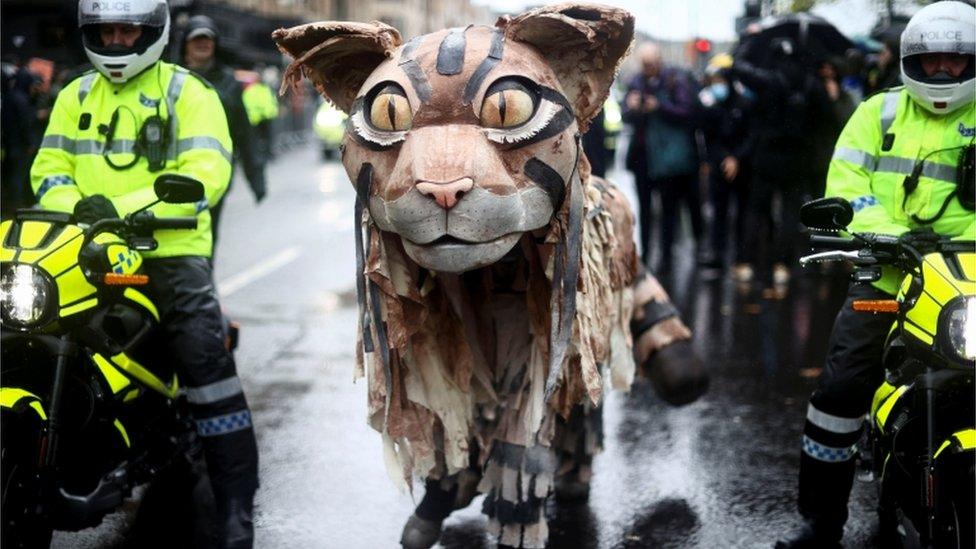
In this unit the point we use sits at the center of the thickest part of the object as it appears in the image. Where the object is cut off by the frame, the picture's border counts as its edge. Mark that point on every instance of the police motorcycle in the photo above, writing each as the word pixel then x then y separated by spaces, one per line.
pixel 89 410
pixel 920 442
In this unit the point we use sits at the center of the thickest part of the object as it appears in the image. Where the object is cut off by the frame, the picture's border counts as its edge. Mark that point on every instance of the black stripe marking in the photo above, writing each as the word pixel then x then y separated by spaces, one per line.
pixel 494 56
pixel 450 55
pixel 413 71
pixel 406 54
pixel 549 179
pixel 557 125
pixel 417 79
pixel 363 182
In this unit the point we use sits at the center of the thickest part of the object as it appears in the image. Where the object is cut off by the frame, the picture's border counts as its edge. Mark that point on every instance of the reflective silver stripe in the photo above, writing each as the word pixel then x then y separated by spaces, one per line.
pixel 829 454
pixel 89 146
pixel 176 85
pixel 218 390
pixel 119 146
pixel 81 146
pixel 863 159
pixel 172 95
pixel 203 142
pixel 904 166
pixel 832 423
pixel 939 171
pixel 60 142
pixel 889 109
pixel 895 164
pixel 85 86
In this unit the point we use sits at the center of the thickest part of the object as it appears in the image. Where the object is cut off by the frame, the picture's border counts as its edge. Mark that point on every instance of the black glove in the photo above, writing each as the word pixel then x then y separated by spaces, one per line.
pixel 924 240
pixel 91 209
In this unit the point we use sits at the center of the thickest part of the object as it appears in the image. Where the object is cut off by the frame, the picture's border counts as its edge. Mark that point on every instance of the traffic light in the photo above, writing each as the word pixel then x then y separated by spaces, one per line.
pixel 703 46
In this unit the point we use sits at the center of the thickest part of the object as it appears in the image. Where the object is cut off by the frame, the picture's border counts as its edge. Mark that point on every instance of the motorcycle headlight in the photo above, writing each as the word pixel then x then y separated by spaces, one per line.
pixel 962 329
pixel 25 294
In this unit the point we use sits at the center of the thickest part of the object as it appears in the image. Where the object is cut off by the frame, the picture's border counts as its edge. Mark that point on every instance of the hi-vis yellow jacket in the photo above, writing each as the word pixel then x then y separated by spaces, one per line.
pixel 260 103
pixel 872 178
pixel 71 163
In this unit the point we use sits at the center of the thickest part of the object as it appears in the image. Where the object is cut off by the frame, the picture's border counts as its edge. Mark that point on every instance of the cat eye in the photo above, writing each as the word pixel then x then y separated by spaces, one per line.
pixel 389 110
pixel 507 104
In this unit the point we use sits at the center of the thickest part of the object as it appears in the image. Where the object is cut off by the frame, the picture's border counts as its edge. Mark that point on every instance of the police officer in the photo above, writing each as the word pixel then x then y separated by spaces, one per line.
pixel 896 162
pixel 262 109
pixel 112 132
pixel 200 43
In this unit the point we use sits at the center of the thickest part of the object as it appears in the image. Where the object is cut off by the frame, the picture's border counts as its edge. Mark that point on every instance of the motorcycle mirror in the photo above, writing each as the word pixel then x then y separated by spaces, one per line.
pixel 827 214
pixel 178 189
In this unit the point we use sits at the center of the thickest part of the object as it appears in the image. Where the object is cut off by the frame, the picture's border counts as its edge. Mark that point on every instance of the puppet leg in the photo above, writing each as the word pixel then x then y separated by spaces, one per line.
pixel 517 481
pixel 577 441
pixel 662 344
pixel 441 497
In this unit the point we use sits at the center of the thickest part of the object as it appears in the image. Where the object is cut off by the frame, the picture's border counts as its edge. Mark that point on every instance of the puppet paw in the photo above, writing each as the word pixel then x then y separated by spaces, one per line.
pixel 677 373
pixel 420 533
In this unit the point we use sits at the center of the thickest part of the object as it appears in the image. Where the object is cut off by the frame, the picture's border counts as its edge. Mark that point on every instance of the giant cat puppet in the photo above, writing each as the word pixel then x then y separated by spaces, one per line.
pixel 497 278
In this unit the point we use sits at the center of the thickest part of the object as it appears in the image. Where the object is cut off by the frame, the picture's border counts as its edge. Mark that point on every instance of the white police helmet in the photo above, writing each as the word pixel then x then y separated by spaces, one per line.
pixel 119 63
pixel 942 27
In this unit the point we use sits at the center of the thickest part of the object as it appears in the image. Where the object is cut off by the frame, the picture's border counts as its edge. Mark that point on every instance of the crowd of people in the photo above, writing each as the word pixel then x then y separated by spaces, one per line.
pixel 740 147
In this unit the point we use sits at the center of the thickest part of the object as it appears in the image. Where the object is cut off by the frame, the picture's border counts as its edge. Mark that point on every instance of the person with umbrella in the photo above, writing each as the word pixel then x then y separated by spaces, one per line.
pixel 929 123
pixel 778 64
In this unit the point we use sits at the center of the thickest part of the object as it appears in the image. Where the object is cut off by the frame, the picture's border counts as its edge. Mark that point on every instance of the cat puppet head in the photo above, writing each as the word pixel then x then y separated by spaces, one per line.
pixel 462 140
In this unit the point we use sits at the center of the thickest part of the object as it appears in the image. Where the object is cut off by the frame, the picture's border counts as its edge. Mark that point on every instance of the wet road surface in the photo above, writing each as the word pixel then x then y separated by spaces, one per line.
pixel 718 473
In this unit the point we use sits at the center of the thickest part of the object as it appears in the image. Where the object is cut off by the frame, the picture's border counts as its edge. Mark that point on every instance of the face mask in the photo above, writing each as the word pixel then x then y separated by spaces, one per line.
pixel 720 91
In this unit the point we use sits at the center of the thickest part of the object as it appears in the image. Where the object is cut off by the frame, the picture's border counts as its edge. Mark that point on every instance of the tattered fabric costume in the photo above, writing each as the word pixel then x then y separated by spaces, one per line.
pixel 497 279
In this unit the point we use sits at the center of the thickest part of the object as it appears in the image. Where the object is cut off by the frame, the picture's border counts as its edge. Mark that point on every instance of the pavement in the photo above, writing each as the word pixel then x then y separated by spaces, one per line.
pixel 718 473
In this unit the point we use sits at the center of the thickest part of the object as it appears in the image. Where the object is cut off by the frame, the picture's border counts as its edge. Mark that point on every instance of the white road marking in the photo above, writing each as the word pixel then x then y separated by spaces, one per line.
pixel 230 285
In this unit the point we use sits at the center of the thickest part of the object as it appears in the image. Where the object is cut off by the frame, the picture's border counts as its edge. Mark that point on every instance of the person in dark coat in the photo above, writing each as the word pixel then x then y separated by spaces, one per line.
pixel 784 87
pixel 17 123
pixel 594 146
pixel 661 106
pixel 729 143
pixel 885 72
pixel 199 54
pixel 835 106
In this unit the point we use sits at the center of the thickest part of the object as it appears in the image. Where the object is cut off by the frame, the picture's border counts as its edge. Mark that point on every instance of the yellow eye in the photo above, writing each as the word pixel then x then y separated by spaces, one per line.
pixel 390 110
pixel 507 108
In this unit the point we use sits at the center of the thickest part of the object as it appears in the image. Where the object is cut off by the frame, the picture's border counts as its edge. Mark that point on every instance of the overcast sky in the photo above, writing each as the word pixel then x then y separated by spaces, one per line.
pixel 714 19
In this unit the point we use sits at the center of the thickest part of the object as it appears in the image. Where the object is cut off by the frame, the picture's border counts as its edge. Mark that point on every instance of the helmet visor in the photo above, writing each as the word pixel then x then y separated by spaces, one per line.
pixel 913 68
pixel 151 13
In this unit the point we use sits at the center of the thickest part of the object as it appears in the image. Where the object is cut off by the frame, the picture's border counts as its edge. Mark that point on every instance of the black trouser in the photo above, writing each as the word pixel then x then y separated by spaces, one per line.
pixel 770 240
pixel 193 332
pixel 852 373
pixel 723 194
pixel 645 189
pixel 676 190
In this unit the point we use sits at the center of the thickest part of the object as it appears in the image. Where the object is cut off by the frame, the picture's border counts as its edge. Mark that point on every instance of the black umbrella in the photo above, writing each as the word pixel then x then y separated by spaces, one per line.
pixel 813 37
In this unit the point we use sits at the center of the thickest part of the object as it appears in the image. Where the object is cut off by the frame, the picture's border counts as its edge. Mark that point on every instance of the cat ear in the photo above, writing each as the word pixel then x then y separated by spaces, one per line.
pixel 584 45
pixel 337 56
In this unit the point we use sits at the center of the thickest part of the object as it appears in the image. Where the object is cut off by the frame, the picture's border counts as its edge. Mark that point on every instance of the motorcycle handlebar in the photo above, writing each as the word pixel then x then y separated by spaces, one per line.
pixel 835 242
pixel 175 223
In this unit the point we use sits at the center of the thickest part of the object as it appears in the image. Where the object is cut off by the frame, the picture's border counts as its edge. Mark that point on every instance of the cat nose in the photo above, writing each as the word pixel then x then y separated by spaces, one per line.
pixel 446 194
